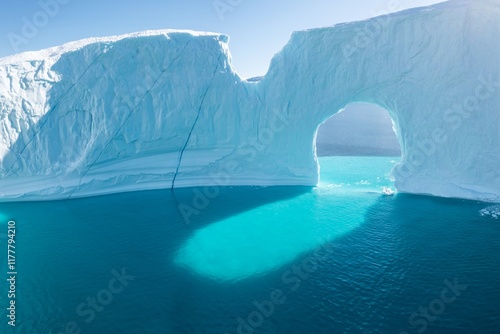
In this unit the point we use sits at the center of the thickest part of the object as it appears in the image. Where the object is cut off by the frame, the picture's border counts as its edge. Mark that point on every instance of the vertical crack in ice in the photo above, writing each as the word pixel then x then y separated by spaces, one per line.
pixel 126 120
pixel 181 153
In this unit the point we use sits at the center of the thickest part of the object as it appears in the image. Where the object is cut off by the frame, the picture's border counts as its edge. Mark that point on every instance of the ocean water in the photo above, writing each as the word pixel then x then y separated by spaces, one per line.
pixel 338 258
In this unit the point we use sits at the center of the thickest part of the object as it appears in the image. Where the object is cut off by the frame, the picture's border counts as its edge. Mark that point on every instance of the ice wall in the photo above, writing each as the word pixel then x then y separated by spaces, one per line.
pixel 163 108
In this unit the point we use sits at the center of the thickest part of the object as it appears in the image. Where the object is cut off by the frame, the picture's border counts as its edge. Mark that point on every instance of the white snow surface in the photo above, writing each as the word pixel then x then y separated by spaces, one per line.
pixel 166 108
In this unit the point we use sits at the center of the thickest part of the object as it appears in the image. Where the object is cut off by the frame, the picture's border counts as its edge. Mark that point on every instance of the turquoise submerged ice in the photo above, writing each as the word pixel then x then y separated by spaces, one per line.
pixel 137 111
pixel 274 234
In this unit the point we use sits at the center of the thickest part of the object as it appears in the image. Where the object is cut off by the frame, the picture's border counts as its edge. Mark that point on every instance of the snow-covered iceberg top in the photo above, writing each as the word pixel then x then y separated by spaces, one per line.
pixel 162 109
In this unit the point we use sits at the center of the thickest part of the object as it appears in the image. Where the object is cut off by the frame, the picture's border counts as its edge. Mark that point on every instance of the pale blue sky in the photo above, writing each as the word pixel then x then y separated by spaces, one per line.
pixel 258 28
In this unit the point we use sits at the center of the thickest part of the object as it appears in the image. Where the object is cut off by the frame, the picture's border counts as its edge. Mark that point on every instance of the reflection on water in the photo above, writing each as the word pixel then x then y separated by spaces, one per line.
pixel 272 235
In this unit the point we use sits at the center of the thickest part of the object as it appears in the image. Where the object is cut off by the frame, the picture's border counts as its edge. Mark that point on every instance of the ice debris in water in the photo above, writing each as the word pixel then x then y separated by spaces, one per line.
pixel 493 211
pixel 387 191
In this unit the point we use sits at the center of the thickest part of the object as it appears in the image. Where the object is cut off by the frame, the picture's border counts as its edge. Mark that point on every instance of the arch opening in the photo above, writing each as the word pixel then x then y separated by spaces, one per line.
pixel 358 148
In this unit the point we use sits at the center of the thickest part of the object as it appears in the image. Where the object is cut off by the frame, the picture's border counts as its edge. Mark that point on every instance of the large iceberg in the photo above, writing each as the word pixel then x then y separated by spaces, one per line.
pixel 162 109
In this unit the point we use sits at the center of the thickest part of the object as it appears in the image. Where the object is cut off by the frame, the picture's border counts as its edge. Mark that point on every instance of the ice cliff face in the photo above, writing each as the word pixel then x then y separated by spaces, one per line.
pixel 164 109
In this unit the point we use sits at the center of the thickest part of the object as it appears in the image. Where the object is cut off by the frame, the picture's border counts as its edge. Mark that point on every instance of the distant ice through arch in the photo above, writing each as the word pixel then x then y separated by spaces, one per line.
pixel 359 129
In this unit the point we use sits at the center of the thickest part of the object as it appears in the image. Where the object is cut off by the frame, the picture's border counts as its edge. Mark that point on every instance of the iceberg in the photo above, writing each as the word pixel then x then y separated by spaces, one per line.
pixel 166 109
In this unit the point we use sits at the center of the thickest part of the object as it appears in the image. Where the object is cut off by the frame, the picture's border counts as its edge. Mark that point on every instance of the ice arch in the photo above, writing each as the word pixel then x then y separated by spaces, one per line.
pixel 430 68
pixel 160 108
